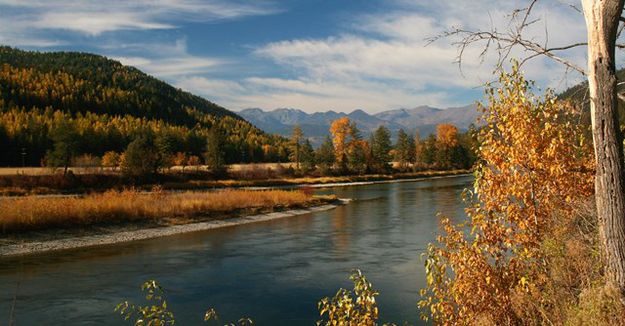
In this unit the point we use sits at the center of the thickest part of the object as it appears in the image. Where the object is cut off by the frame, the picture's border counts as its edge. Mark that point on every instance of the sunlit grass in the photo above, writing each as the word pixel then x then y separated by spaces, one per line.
pixel 28 213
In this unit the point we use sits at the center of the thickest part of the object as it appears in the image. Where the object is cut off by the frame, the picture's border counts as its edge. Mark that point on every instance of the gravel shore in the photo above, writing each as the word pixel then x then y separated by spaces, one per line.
pixel 36 247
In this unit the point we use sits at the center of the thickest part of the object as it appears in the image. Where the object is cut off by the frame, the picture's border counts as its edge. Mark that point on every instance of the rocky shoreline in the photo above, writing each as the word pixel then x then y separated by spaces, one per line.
pixel 37 247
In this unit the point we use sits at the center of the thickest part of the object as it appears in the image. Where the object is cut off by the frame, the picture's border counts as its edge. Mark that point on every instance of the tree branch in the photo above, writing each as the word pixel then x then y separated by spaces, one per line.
pixel 505 42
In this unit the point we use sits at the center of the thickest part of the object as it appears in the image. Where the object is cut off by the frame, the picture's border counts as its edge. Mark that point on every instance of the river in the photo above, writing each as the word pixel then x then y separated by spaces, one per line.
pixel 273 272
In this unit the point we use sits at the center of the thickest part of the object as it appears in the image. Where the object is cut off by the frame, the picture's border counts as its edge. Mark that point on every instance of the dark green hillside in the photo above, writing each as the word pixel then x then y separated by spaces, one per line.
pixel 110 104
pixel 579 95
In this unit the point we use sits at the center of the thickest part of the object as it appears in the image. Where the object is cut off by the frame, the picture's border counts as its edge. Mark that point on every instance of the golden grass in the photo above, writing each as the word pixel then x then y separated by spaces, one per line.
pixel 28 213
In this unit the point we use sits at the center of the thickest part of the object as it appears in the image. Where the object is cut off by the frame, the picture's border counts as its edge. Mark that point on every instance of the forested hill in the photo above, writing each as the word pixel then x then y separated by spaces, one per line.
pixel 579 95
pixel 81 82
pixel 110 103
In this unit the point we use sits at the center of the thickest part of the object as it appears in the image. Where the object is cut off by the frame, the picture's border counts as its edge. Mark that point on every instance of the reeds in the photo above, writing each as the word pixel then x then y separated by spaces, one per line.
pixel 31 213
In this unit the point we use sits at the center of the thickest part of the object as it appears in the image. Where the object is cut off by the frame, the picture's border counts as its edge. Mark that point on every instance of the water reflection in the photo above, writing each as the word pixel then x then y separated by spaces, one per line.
pixel 273 272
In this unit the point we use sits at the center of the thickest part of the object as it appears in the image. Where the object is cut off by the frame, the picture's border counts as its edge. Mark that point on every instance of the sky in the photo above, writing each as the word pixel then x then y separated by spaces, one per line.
pixel 313 55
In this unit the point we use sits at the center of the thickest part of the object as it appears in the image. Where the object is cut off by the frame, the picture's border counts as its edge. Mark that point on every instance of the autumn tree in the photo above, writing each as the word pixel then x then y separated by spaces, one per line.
pixel 340 130
pixel 534 162
pixel 449 154
pixel 180 159
pixel 351 308
pixel 602 23
pixel 295 146
pixel 111 159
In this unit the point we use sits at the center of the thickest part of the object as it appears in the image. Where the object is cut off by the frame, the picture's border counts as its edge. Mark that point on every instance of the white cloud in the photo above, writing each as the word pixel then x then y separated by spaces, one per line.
pixel 212 88
pixel 171 67
pixel 375 61
pixel 169 61
pixel 390 49
pixel 92 17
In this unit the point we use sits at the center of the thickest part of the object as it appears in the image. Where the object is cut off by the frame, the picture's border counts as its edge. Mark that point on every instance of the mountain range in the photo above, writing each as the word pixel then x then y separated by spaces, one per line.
pixel 315 125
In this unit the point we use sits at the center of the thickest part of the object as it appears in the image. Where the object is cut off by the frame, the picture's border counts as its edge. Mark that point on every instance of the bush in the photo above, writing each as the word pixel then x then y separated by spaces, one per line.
pixel 141 158
pixel 535 165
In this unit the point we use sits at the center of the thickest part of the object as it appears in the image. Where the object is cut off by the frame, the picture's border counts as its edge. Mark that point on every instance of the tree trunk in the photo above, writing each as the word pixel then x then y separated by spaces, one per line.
pixel 602 19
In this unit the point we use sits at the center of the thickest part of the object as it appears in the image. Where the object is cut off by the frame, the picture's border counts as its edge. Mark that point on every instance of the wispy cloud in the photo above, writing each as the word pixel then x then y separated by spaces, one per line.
pixel 373 61
pixel 388 52
pixel 92 17
pixel 171 67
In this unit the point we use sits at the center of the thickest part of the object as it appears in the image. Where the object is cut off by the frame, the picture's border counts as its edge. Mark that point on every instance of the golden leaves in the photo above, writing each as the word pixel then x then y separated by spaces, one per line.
pixel 534 159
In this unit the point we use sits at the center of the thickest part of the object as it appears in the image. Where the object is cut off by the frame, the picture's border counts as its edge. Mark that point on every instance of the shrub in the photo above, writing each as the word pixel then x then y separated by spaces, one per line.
pixel 157 312
pixel 141 157
pixel 111 159
pixel 535 163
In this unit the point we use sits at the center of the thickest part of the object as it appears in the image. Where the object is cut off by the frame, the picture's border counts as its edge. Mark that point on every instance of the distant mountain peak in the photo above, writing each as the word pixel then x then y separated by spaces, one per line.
pixel 315 125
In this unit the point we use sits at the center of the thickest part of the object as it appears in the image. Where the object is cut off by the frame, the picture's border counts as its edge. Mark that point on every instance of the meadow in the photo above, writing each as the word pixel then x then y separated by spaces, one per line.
pixel 130 205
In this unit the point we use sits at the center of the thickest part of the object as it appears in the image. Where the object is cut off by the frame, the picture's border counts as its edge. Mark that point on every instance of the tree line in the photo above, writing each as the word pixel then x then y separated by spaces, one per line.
pixel 110 105
pixel 28 137
pixel 345 151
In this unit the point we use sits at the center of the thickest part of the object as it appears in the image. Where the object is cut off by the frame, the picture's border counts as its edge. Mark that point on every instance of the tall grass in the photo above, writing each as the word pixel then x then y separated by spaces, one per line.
pixel 574 291
pixel 30 213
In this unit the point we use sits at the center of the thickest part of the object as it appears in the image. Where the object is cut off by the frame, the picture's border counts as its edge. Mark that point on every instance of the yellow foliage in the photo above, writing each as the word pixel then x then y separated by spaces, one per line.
pixel 131 205
pixel 534 162
pixel 346 310
pixel 447 134
pixel 340 129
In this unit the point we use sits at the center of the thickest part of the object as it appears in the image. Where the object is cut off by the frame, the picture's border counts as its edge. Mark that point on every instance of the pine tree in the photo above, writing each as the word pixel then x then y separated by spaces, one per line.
pixel 214 155
pixel 380 149
pixel 307 157
pixel 325 157
pixel 403 149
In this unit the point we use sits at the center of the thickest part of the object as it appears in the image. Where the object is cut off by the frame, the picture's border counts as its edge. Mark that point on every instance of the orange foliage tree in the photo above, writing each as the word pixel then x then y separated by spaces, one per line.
pixel 534 162
pixel 447 134
pixel 340 130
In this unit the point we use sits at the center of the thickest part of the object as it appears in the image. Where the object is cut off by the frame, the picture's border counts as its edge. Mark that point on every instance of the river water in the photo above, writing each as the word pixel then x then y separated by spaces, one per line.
pixel 274 272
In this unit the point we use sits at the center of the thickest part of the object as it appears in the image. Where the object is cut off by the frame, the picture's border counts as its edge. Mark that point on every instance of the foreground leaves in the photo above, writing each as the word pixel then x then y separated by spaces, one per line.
pixel 534 162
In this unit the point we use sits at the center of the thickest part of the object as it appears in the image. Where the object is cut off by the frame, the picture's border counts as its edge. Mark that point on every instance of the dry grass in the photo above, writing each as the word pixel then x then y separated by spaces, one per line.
pixel 31 213
pixel 573 291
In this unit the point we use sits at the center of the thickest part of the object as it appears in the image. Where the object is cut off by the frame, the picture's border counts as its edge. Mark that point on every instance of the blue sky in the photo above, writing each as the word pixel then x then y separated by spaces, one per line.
pixel 314 55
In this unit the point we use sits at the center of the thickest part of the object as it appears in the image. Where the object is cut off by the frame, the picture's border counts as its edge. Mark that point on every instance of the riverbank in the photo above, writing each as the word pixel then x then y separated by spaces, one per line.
pixel 31 213
pixel 42 242
pixel 22 185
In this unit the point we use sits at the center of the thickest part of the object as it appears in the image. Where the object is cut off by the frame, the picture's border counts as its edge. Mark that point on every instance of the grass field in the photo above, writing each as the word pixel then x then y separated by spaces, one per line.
pixel 34 213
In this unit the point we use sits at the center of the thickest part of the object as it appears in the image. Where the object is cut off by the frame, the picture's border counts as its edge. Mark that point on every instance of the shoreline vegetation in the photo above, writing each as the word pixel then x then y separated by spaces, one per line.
pixel 156 208
pixel 95 182
pixel 37 224
pixel 46 242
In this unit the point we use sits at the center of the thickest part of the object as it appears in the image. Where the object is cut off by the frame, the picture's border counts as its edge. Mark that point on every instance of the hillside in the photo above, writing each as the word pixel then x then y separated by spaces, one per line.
pixel 315 125
pixel 579 95
pixel 110 103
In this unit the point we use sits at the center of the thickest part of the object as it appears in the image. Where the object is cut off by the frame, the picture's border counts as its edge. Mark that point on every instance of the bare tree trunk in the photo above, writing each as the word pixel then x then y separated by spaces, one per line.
pixel 602 19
